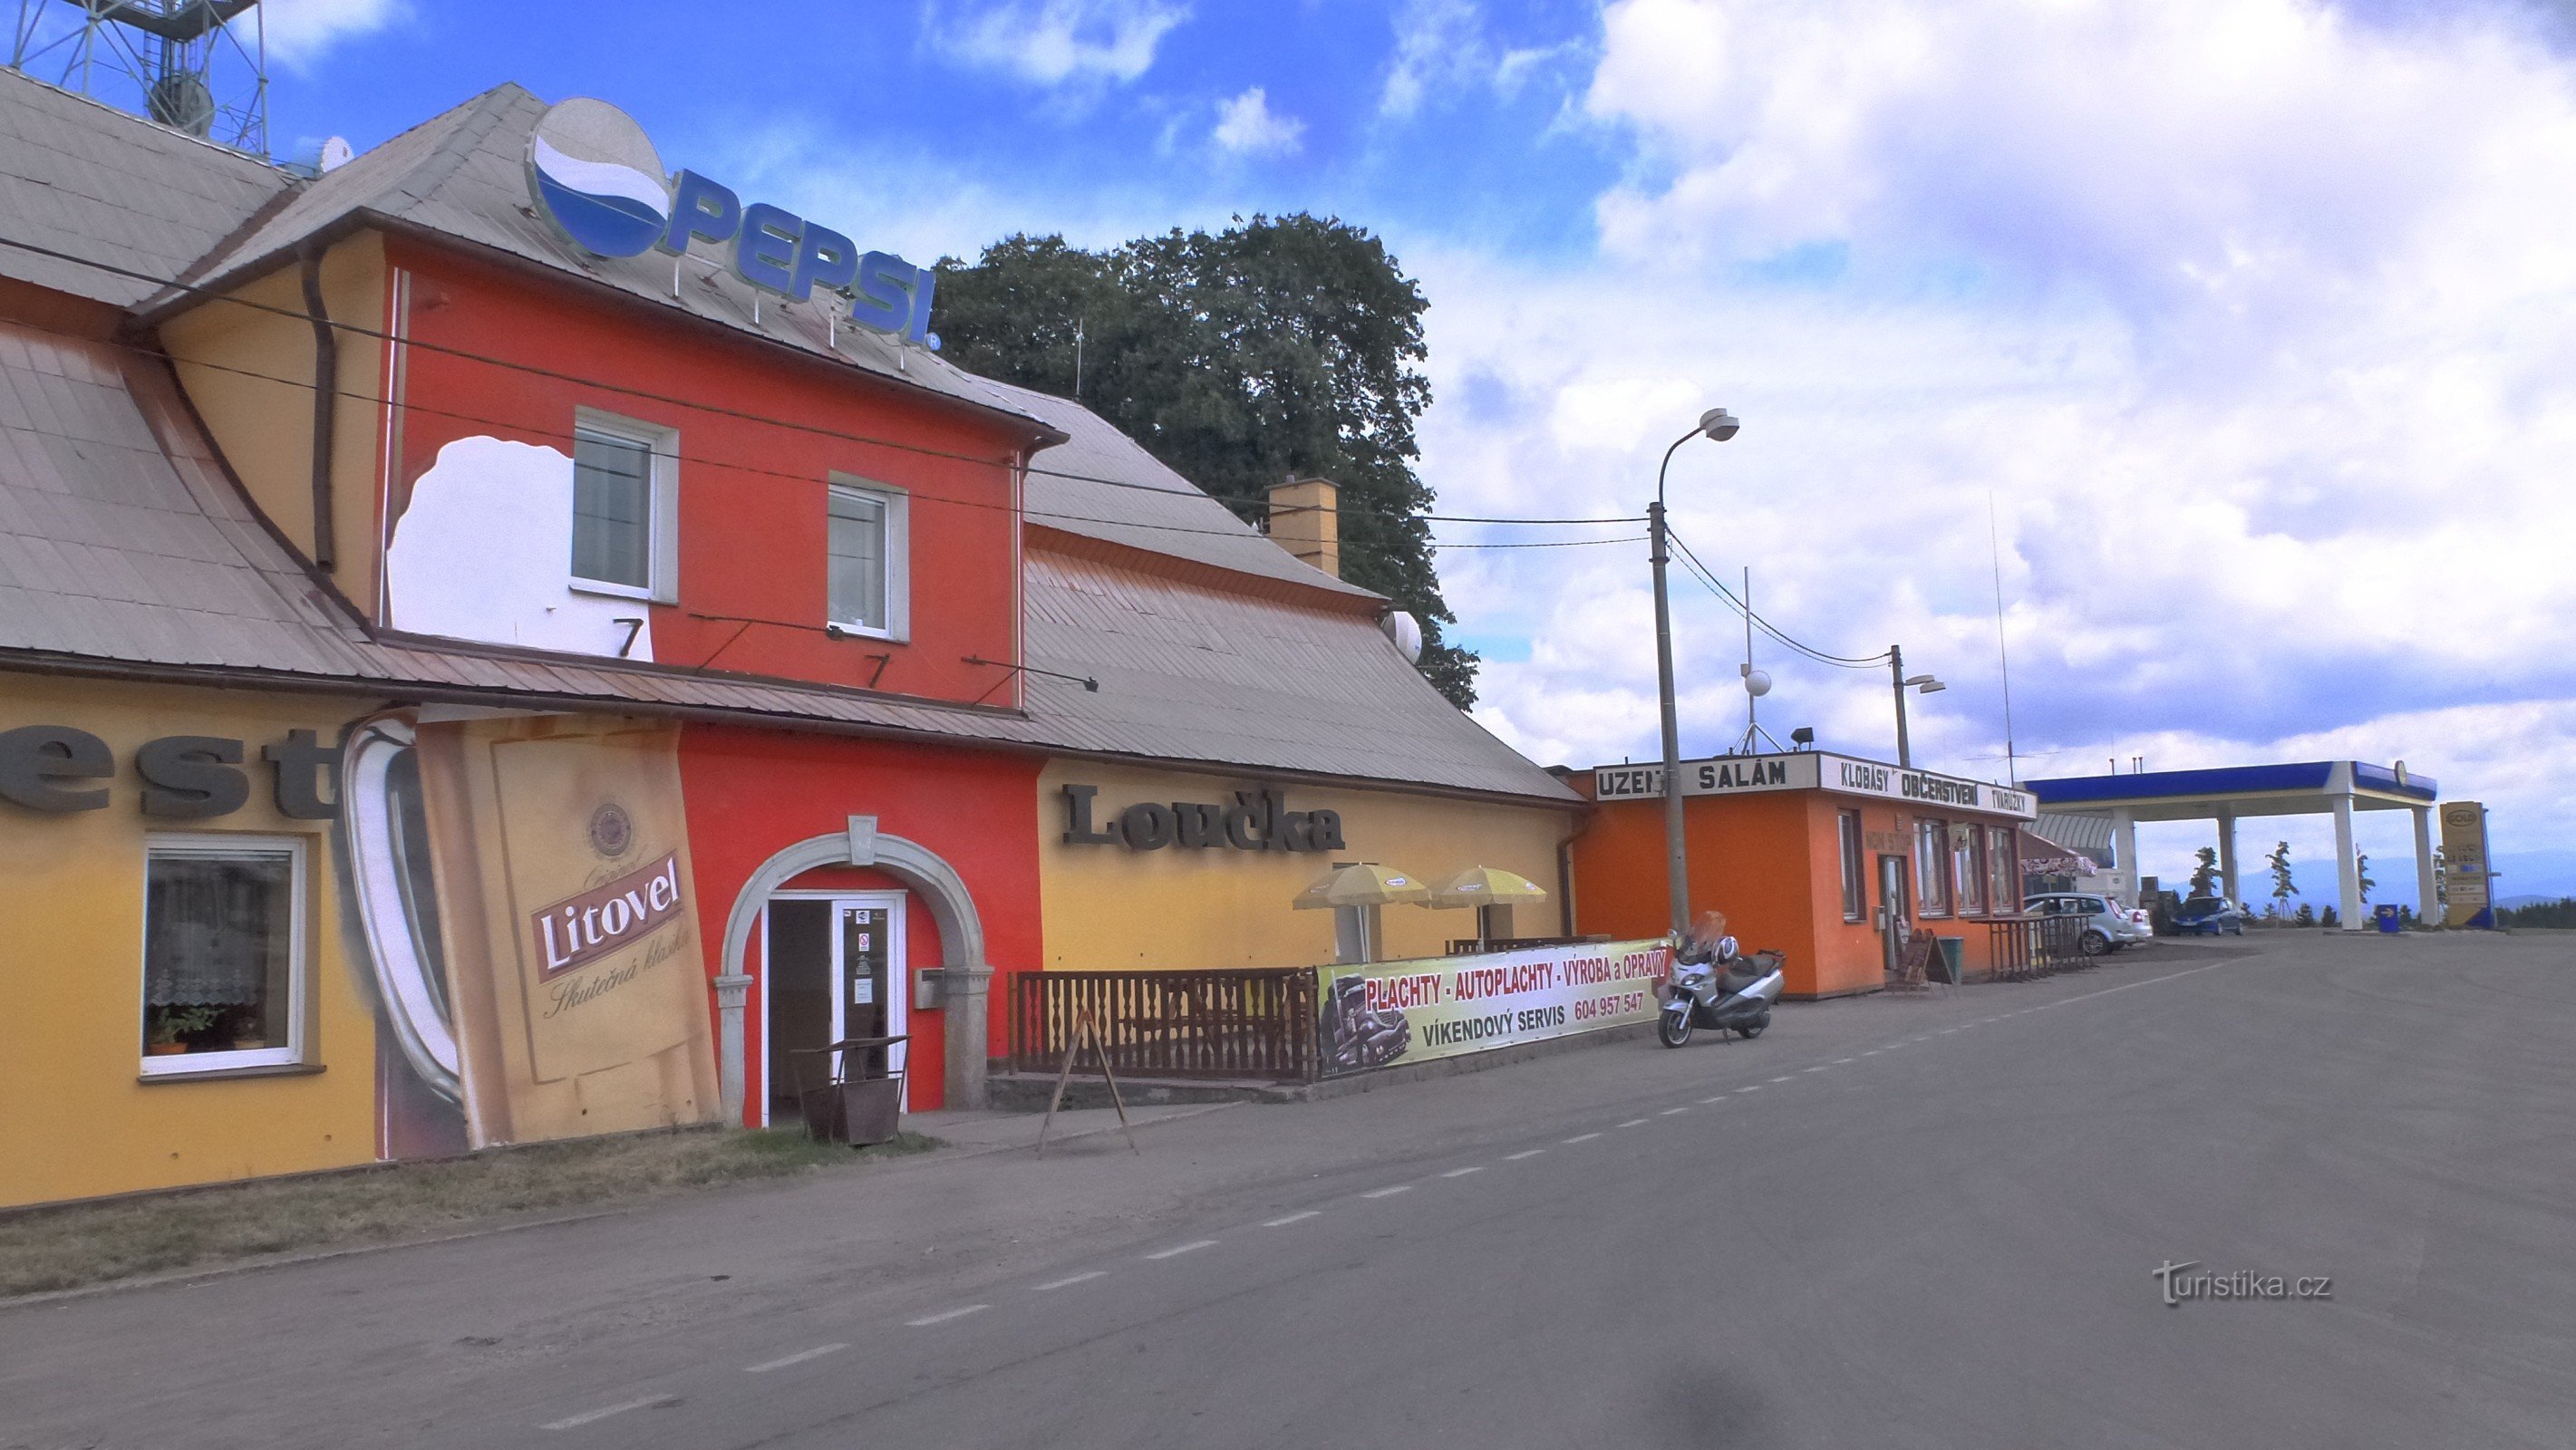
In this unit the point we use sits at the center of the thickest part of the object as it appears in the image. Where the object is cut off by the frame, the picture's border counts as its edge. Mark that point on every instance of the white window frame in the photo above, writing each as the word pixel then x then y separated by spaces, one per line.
pixel 299 985
pixel 663 548
pixel 897 504
pixel 1849 845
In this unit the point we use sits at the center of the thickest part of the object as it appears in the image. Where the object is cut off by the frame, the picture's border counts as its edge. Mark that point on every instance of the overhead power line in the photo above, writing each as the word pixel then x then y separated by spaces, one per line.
pixel 1708 577
pixel 623 390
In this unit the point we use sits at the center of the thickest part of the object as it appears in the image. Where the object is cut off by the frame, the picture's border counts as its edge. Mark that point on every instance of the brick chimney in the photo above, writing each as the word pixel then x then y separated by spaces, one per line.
pixel 1305 520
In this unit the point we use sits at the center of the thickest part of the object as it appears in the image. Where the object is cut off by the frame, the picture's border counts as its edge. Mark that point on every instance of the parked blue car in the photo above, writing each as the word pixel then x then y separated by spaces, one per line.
pixel 2209 916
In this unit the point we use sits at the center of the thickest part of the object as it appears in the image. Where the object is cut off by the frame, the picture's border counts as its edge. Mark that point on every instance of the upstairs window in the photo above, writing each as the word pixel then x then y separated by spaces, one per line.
pixel 869 582
pixel 625 508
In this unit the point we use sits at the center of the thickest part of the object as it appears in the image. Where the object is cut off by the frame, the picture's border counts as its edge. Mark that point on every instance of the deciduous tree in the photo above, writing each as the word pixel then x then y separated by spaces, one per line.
pixel 1277 348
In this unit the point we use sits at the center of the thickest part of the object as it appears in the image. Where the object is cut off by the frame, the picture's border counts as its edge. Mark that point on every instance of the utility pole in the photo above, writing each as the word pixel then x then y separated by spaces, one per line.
pixel 1719 424
pixel 1896 673
pixel 1903 682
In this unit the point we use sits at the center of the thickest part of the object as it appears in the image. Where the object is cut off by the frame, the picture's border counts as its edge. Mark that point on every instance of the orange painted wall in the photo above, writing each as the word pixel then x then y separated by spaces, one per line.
pixel 1772 863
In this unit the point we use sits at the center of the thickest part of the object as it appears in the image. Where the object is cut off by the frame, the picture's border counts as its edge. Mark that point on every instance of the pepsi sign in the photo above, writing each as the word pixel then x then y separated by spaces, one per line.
pixel 595 174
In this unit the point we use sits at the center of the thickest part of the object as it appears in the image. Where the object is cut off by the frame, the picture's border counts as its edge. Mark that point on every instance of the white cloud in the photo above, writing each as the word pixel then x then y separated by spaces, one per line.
pixel 1059 42
pixel 1444 48
pixel 2251 319
pixel 299 31
pixel 1247 126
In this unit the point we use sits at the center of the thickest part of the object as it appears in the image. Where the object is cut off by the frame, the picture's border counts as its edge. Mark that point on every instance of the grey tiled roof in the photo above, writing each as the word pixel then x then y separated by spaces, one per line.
pixel 80 177
pixel 463 174
pixel 1103 484
pixel 1190 671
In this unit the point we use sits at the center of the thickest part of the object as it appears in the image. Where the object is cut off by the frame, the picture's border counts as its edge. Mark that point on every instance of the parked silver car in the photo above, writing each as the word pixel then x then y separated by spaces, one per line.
pixel 2108 926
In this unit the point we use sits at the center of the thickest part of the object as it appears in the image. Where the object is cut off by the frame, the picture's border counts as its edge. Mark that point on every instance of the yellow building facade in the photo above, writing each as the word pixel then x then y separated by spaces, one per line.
pixel 1111 905
pixel 95 1111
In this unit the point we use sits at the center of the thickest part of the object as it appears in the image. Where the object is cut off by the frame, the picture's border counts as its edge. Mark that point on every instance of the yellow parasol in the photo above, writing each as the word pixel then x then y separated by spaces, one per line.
pixel 1361 883
pixel 1485 886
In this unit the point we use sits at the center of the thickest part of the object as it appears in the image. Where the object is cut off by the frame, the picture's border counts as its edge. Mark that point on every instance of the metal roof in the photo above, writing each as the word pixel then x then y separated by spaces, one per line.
pixel 88 179
pixel 1102 484
pixel 2299 788
pixel 1191 671
pixel 463 174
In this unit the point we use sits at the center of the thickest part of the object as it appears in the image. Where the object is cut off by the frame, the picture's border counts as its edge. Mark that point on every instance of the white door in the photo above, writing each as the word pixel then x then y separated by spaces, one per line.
pixel 869 997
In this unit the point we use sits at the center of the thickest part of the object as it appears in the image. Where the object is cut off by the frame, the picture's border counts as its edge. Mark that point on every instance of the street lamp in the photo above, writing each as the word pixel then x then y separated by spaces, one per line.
pixel 1718 424
pixel 1923 683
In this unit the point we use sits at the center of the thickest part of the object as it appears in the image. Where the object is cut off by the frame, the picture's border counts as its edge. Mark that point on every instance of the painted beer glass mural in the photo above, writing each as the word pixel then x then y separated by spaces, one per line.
pixel 524 888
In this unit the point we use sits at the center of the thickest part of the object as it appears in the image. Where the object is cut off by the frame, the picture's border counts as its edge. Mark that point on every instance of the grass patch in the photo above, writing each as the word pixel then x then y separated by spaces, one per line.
pixel 63 1248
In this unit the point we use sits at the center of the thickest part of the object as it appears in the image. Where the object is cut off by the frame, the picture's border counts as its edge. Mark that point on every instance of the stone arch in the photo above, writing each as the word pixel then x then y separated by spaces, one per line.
pixel 962 981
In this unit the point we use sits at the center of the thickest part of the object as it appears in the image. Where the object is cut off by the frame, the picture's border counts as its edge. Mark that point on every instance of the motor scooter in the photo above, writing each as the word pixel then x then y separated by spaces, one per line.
pixel 1721 991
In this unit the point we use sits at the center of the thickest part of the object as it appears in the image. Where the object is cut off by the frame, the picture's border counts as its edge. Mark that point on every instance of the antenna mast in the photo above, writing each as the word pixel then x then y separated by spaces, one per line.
pixel 196 66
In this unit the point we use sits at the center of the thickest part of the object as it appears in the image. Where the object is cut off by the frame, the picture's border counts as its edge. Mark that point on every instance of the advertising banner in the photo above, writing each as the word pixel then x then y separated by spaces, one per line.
pixel 2464 865
pixel 524 890
pixel 1375 1014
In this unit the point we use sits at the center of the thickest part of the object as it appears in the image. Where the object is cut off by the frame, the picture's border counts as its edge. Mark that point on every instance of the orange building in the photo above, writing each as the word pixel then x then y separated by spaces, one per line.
pixel 1806 853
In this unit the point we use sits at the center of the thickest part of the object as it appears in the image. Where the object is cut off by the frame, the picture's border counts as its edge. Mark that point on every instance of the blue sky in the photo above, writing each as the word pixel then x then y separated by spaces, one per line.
pixel 2247 319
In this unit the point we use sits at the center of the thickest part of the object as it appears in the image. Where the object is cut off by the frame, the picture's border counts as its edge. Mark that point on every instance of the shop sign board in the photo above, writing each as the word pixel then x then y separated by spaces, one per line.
pixel 1377 1014
pixel 594 173
pixel 2464 865
pixel 1257 820
pixel 1814 770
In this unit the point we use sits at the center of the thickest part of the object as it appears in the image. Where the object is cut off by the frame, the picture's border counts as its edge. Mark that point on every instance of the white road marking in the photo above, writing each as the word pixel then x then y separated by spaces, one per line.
pixel 1668 1112
pixel 1784 1077
pixel 1463 1172
pixel 1819 1067
pixel 1388 1192
pixel 1583 1137
pixel 1754 1087
pixel 944 1316
pixel 1176 1250
pixel 1721 1097
pixel 1069 1280
pixel 1839 1061
pixel 574 1421
pixel 1286 1219
pixel 1516 1157
pixel 817 1352
pixel 1634 1123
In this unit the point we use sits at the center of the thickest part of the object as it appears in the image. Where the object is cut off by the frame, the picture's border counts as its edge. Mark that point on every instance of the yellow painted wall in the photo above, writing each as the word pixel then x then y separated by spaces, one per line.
pixel 74 1120
pixel 1107 906
pixel 249 371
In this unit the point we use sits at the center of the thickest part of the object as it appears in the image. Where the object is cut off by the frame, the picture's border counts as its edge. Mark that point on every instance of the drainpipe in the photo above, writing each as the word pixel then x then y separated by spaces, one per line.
pixel 326 400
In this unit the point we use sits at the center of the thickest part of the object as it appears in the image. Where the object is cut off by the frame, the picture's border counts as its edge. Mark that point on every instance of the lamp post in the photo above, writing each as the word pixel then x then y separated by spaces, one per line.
pixel 1924 683
pixel 1718 424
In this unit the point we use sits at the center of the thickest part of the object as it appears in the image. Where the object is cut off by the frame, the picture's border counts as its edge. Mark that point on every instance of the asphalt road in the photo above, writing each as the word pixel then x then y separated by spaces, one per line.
pixel 1901 1222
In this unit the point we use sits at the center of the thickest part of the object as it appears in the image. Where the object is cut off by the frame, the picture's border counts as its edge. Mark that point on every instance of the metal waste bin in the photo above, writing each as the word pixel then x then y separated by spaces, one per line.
pixel 2388 918
pixel 848 1105
pixel 1954 958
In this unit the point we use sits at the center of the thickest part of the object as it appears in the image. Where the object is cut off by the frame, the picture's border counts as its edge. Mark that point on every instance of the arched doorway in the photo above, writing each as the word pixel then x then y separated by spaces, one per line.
pixel 962 981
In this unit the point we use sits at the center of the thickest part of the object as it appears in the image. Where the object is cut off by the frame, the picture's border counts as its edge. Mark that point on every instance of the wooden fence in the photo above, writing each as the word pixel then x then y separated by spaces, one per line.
pixel 1256 1023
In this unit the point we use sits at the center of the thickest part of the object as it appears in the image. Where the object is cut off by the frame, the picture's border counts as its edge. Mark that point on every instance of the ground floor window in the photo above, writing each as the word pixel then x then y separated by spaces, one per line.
pixel 2003 868
pixel 223 953
pixel 1932 866
pixel 1855 888
pixel 1968 867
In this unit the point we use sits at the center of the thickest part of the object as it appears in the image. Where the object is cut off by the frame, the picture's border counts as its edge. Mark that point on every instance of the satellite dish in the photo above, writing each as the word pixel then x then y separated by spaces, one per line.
pixel 1757 683
pixel 1405 632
